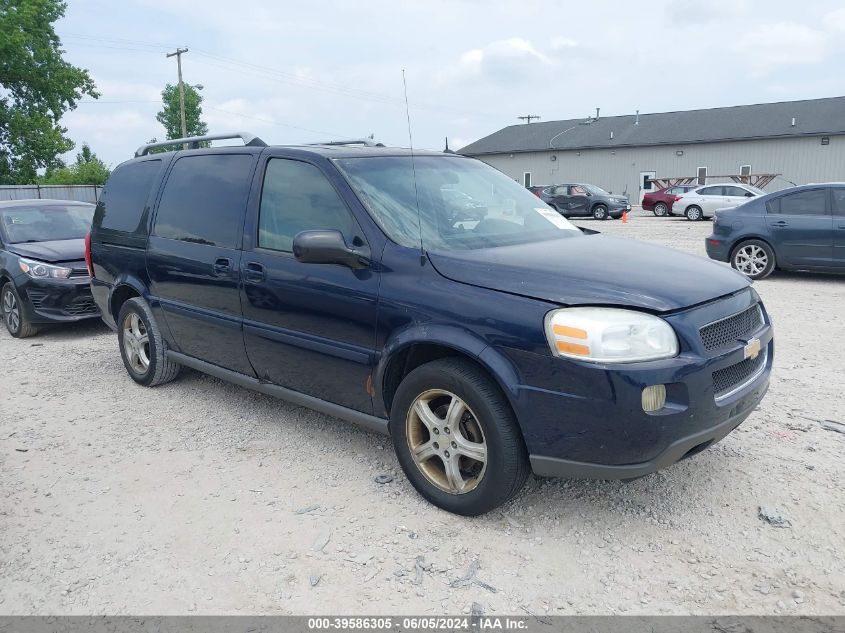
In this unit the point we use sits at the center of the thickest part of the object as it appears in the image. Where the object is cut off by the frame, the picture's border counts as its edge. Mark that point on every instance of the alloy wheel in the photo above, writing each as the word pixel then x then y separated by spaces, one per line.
pixel 11 311
pixel 751 260
pixel 136 343
pixel 660 209
pixel 446 441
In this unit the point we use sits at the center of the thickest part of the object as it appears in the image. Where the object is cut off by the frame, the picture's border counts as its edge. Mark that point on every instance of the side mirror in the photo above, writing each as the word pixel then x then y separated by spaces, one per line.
pixel 328 247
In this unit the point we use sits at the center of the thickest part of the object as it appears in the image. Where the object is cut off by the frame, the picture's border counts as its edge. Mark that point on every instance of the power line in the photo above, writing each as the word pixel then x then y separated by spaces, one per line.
pixel 527 118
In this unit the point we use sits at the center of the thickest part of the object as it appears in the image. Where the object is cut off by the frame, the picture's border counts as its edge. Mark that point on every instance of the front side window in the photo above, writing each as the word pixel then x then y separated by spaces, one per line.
pixel 204 200
pixel 297 197
pixel 811 202
pixel 406 200
pixel 737 192
pixel 577 190
pixel 45 223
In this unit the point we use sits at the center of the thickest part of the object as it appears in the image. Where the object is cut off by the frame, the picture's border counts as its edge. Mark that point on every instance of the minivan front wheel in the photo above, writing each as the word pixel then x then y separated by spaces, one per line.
pixel 456 437
pixel 141 345
pixel 754 259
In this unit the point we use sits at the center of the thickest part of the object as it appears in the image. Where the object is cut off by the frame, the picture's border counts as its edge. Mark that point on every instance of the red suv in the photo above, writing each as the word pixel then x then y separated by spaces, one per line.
pixel 660 202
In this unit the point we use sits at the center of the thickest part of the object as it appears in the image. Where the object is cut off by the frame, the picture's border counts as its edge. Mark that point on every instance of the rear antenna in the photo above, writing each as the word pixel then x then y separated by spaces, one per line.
pixel 413 168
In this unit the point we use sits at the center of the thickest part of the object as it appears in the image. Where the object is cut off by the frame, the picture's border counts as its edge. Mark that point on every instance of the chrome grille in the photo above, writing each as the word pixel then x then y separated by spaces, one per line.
pixel 731 379
pixel 726 332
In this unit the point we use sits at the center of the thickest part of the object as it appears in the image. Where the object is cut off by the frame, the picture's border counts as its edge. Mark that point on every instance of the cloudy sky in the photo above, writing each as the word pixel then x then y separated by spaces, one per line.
pixel 304 72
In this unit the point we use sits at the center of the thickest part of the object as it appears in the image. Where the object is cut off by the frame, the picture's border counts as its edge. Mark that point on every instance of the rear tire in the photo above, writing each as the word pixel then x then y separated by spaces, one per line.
pixel 694 213
pixel 753 258
pixel 13 313
pixel 142 347
pixel 600 212
pixel 660 210
pixel 457 438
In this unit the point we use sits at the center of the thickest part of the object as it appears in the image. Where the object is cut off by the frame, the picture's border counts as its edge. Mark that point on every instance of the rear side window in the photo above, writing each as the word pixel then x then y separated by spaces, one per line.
pixel 297 197
pixel 711 191
pixel 736 191
pixel 125 196
pixel 204 199
pixel 802 203
pixel 839 201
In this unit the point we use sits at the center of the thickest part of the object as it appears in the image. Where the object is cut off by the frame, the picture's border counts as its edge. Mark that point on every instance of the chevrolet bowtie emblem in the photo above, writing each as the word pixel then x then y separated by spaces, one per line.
pixel 752 349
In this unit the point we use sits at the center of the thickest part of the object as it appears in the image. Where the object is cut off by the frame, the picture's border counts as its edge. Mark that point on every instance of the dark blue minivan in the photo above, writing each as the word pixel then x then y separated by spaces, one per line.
pixel 487 339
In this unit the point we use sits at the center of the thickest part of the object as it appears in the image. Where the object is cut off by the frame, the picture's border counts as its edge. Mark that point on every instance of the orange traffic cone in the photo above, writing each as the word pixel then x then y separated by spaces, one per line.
pixel 625 217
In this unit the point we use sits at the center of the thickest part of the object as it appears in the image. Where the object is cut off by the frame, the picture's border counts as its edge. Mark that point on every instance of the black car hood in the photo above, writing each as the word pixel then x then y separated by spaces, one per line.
pixel 594 270
pixel 52 252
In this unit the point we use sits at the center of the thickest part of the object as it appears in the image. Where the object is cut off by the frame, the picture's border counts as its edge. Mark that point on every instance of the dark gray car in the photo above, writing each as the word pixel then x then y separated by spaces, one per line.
pixel 582 200
pixel 801 228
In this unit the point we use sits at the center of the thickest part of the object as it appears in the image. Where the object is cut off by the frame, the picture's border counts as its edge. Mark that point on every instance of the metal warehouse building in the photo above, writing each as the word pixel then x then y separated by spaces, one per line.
pixel 798 141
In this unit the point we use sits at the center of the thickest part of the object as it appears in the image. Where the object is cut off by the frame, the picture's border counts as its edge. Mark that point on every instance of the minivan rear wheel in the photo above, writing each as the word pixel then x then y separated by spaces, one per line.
pixel 754 259
pixel 142 347
pixel 456 437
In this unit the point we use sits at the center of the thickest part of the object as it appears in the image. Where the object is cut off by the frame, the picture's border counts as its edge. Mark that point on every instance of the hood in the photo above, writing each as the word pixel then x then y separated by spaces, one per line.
pixel 52 252
pixel 594 270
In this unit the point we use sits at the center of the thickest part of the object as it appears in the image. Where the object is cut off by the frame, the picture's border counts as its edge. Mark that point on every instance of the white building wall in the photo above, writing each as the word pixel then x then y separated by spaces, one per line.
pixel 799 160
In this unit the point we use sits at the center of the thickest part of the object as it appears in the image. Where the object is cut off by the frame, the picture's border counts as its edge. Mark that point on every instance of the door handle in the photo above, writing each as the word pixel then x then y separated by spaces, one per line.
pixel 254 273
pixel 780 223
pixel 222 266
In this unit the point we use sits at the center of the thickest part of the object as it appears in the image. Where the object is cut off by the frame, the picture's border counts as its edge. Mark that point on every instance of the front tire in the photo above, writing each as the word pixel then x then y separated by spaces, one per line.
pixel 660 210
pixel 142 347
pixel 694 213
pixel 456 437
pixel 14 315
pixel 753 258
pixel 600 212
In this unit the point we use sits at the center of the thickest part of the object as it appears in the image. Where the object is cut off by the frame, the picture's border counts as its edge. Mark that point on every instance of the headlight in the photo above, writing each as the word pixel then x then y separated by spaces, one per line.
pixel 609 335
pixel 40 270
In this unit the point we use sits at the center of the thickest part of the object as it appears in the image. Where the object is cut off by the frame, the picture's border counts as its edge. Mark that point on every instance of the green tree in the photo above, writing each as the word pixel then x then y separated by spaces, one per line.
pixel 87 170
pixel 170 116
pixel 37 87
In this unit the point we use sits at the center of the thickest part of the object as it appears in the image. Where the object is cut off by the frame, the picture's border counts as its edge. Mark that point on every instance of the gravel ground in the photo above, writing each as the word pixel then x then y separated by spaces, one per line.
pixel 201 497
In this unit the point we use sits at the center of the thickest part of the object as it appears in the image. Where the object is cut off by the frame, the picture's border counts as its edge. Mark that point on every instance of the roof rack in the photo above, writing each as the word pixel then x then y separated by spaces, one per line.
pixel 193 142
pixel 366 142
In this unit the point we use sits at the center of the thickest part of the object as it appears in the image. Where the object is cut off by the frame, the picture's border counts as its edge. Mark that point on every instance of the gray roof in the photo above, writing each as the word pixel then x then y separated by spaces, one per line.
pixel 764 120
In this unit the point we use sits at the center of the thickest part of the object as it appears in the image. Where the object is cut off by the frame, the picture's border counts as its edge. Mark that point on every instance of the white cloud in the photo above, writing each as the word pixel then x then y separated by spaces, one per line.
pixel 697 12
pixel 559 43
pixel 782 44
pixel 835 20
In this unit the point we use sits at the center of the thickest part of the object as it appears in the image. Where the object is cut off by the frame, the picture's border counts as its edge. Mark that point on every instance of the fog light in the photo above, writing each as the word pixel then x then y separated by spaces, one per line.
pixel 654 398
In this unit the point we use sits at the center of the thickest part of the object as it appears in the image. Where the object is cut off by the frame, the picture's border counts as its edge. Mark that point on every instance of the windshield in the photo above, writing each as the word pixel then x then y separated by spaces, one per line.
pixel 45 223
pixel 596 191
pixel 464 204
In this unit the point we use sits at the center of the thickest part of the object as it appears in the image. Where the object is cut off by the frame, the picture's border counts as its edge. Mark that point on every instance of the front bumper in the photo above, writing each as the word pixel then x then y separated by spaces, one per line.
pixel 587 420
pixel 57 301
pixel 675 452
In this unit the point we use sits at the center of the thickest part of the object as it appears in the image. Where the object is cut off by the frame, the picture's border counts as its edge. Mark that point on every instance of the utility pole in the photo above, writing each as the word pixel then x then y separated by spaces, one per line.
pixel 178 55
pixel 528 117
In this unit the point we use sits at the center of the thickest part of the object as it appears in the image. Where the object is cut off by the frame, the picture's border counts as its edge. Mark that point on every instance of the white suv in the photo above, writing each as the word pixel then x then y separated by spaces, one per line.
pixel 703 201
